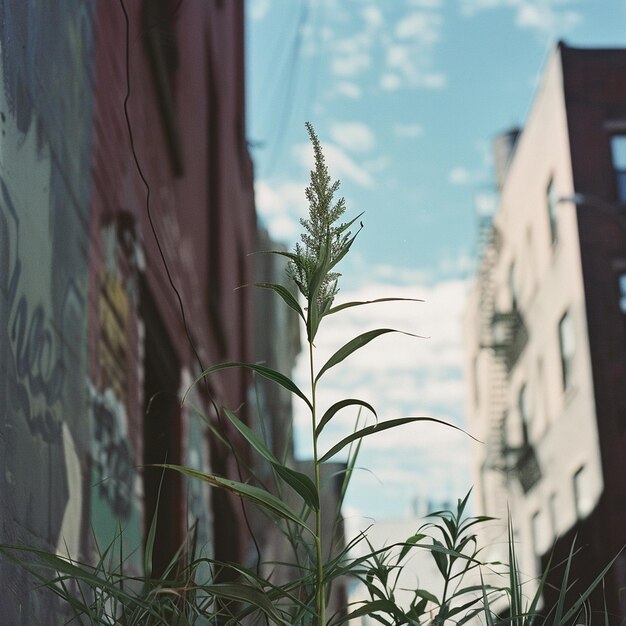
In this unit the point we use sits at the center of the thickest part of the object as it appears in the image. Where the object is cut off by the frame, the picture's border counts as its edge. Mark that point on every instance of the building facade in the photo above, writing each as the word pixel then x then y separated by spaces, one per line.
pixel 545 328
pixel 126 198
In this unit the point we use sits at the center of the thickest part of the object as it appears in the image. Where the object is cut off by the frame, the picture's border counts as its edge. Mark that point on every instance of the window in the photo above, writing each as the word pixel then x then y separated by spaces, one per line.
pixel 582 492
pixel 552 203
pixel 475 381
pixel 524 412
pixel 513 290
pixel 621 283
pixel 618 156
pixel 552 510
pixel 159 28
pixel 538 538
pixel 567 347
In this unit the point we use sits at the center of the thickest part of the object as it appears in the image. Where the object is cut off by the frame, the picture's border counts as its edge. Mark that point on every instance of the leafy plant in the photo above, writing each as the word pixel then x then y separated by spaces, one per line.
pixel 448 540
pixel 105 593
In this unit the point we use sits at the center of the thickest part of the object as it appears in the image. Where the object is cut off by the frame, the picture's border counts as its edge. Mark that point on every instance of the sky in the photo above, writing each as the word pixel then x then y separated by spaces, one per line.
pixel 406 97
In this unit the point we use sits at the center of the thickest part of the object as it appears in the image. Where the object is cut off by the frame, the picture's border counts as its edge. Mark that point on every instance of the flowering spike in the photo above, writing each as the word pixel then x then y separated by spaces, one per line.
pixel 323 240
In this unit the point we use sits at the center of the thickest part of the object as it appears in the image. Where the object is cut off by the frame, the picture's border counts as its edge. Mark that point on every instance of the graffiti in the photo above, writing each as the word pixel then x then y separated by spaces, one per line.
pixel 113 457
pixel 45 119
pixel 34 354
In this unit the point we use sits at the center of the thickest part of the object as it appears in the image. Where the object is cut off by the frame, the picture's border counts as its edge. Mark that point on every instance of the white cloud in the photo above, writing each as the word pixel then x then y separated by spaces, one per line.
pixel 348 89
pixel 258 9
pixel 399 57
pixel 378 164
pixel 460 176
pixel 402 60
pixel 338 162
pixel 351 55
pixel 425 4
pixel 353 136
pixel 390 82
pixel 350 64
pixel 281 206
pixel 422 26
pixel 373 16
pixel 548 17
pixel 545 18
pixel 394 275
pixel 463 176
pixel 399 375
pixel 399 52
pixel 395 372
pixel 433 80
pixel 408 131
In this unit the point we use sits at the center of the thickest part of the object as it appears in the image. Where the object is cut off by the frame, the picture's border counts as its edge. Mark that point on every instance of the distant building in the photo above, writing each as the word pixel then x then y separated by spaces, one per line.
pixel 94 353
pixel 545 328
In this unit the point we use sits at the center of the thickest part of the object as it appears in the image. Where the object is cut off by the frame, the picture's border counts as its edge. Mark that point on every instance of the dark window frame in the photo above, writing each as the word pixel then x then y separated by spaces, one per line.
pixel 551 205
pixel 567 358
pixel 524 413
pixel 619 168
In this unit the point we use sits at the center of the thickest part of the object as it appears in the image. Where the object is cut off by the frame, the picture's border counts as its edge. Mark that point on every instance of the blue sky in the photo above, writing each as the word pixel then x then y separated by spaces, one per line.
pixel 406 96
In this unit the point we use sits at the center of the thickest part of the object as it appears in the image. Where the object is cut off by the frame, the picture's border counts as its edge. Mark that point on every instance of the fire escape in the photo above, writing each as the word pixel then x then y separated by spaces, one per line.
pixel 503 334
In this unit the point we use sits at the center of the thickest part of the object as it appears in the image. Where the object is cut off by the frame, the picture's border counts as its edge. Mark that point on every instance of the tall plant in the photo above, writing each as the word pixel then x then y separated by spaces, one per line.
pixel 104 594
pixel 312 266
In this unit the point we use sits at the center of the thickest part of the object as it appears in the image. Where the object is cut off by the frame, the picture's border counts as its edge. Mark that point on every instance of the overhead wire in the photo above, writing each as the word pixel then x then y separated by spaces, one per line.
pixel 290 82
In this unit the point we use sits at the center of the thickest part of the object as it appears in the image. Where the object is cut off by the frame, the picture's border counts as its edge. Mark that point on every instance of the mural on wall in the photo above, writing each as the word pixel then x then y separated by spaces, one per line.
pixel 45 126
pixel 114 388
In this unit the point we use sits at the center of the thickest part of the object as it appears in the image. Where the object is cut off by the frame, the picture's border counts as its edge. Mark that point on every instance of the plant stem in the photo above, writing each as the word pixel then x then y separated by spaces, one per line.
pixel 320 599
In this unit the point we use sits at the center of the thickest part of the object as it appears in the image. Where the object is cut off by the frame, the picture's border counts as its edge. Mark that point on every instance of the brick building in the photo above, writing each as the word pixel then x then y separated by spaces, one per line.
pixel 546 332
pixel 95 253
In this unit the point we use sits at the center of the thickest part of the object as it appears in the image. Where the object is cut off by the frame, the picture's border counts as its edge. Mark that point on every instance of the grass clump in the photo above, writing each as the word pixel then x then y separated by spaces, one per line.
pixel 105 594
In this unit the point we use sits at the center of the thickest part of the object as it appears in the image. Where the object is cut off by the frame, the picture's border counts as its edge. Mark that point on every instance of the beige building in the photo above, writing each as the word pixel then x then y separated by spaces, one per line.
pixel 544 326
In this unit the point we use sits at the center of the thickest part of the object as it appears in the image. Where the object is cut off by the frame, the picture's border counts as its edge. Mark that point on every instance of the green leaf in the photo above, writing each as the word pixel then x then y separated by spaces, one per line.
pixel 300 482
pixel 314 314
pixel 344 250
pixel 249 492
pixel 384 606
pixel 266 372
pixel 409 543
pixel 149 547
pixel 376 428
pixel 583 596
pixel 288 297
pixel 290 255
pixel 335 408
pixel 347 305
pixel 251 437
pixel 355 344
pixel 344 227
pixel 250 595
pixel 426 595
pixel 440 558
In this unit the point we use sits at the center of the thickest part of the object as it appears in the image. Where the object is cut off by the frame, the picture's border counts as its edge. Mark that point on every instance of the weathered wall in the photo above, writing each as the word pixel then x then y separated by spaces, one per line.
pixel 595 89
pixel 45 117
pixel 90 326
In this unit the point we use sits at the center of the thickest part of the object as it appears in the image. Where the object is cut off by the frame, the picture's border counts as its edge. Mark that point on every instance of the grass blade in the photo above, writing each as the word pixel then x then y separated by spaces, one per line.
pixel 300 482
pixel 254 494
pixel 376 428
pixel 347 305
pixel 262 370
pixel 288 297
pixel 355 344
pixel 338 406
